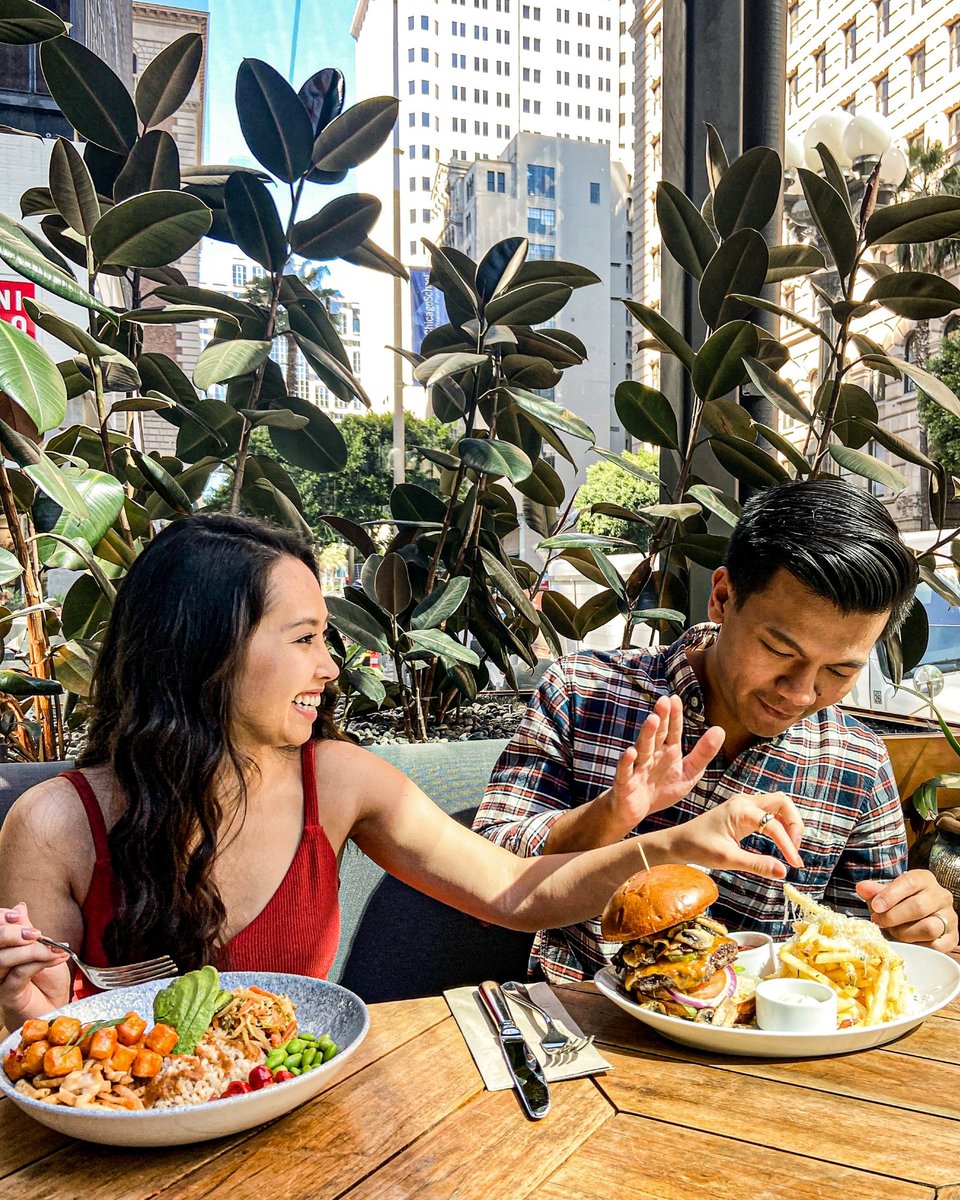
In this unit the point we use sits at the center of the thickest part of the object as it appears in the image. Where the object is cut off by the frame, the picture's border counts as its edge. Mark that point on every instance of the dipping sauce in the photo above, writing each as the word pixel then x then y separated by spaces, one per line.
pixel 798 998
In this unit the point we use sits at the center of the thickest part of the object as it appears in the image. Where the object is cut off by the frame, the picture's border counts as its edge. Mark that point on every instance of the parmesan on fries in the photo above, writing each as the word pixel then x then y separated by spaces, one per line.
pixel 851 956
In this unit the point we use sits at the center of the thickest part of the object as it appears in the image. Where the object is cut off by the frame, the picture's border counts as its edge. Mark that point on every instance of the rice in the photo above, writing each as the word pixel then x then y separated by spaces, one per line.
pixel 204 1075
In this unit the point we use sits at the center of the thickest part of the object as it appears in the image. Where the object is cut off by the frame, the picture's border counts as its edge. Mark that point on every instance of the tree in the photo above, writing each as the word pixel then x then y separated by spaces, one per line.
pixel 944 428
pixel 313 275
pixel 608 483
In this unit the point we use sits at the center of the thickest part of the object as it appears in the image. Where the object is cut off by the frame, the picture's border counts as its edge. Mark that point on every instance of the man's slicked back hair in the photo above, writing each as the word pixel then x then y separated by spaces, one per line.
pixel 836 539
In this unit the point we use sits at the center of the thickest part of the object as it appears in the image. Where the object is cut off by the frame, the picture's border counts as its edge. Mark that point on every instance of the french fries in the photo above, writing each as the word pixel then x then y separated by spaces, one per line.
pixel 850 956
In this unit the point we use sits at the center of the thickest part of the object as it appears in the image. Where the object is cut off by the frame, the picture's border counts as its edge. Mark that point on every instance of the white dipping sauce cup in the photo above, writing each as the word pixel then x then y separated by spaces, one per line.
pixel 756 955
pixel 796 1006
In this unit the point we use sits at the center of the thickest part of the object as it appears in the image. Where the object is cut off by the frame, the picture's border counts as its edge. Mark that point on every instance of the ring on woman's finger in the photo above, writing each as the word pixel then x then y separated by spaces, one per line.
pixel 765 821
pixel 943 921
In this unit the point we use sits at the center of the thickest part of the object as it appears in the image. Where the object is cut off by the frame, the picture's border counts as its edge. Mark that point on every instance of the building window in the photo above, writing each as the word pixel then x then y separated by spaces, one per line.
pixel 541 181
pixel 594 193
pixel 953 38
pixel 953 136
pixel 239 275
pixel 496 181
pixel 793 18
pixel 793 91
pixel 883 17
pixel 918 70
pixel 655 266
pixel 538 251
pixel 910 356
pixel 656 156
pixel 541 221
pixel 20 65
pixel 882 94
pixel 656 42
pixel 850 44
pixel 850 106
pixel 820 67
pixel 655 97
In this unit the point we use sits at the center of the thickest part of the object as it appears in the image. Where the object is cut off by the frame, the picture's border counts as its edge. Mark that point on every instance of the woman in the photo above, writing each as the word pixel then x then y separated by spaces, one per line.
pixel 214 793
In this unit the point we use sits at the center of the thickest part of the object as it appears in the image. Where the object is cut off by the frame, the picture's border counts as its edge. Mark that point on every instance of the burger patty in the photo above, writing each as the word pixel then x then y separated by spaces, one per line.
pixel 721 956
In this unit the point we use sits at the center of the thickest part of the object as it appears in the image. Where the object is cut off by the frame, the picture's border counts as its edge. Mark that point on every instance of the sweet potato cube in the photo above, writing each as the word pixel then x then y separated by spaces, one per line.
pixel 103 1043
pixel 161 1038
pixel 33 1057
pixel 146 1064
pixel 13 1065
pixel 34 1031
pixel 61 1060
pixel 122 1058
pixel 132 1030
pixel 63 1030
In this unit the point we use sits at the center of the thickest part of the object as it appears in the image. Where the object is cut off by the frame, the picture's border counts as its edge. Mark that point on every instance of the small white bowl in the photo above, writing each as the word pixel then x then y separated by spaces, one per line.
pixel 796 1006
pixel 756 955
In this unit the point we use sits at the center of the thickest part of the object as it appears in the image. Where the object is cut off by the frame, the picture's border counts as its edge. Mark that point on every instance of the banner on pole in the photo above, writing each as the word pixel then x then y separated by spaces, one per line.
pixel 428 308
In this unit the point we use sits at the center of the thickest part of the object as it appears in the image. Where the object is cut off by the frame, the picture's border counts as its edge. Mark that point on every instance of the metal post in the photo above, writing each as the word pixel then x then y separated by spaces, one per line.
pixel 399 429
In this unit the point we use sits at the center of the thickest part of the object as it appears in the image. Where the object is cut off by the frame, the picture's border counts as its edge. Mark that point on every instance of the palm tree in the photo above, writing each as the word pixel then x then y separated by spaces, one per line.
pixel 313 275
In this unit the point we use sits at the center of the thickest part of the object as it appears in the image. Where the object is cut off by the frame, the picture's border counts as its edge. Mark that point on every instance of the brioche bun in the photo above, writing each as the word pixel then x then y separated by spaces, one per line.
pixel 653 900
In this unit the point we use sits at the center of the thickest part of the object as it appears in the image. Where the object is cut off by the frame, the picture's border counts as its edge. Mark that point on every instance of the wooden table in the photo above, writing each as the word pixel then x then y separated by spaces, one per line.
pixel 410 1118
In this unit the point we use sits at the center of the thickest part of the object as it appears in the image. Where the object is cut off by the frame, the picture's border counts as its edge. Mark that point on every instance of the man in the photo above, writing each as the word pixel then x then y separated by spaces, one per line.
pixel 814 575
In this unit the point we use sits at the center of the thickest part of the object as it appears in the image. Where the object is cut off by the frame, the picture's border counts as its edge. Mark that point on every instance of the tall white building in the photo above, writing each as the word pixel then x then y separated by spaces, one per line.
pixel 571 201
pixel 470 76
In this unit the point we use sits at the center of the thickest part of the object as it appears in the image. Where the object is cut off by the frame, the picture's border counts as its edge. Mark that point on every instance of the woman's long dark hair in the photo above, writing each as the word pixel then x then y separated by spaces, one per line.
pixel 162 702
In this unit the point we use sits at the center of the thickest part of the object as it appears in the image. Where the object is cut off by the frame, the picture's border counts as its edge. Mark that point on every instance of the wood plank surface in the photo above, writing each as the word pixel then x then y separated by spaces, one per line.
pixel 23 1140
pixel 837 1129
pixel 632 1158
pixel 489 1150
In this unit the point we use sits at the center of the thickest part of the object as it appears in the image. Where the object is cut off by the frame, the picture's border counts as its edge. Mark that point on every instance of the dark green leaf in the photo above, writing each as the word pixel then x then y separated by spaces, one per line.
pixel 788 313
pixel 834 175
pixel 356 623
pixel 369 254
pixel 528 304
pixel 717 162
pixel 19 683
pixel 598 611
pixel 626 464
pixel 915 295
pixel 727 416
pixel 584 541
pixel 255 222
pixel 868 466
pixel 777 390
pixel 445 274
pixel 355 534
pixel 410 502
pixel 663 331
pixel 646 414
pixel 832 218
pixel 159 373
pixel 785 447
pixel 153 166
pixel 227 360
pixel 85 609
pixel 551 412
pixel 392 584
pixel 162 482
pixel 150 230
pixel 897 445
pixel 685 233
pixel 792 261
pixel 444 646
pixel 72 188
pixel 23 257
pixel 507 584
pixel 561 612
pixel 543 485
pixel 438 367
pixel 707 550
pixel 23 23
pixel 492 457
pixel 555 271
pixel 747 462
pixel 329 369
pixel 209 428
pixel 204 298
pixel 499 267
pixel 933 387
pixel 356 134
pixel 738 266
pixel 30 378
pixel 90 95
pixel 318 447
pixel 718 366
pixel 747 195
pixel 726 508
pixel 338 228
pixel 273 120
pixel 167 79
pixel 322 96
pixel 441 604
pixel 924 219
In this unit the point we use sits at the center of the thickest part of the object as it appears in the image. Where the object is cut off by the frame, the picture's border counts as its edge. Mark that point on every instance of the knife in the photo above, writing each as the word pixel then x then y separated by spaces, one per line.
pixel 527 1074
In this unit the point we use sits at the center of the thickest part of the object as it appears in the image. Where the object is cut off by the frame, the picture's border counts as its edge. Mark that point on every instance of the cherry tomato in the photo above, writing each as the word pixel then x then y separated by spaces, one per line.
pixel 259 1077
pixel 280 1075
pixel 237 1088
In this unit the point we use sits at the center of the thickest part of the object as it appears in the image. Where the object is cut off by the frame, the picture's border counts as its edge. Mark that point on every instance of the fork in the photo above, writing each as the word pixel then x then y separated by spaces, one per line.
pixel 558 1040
pixel 108 978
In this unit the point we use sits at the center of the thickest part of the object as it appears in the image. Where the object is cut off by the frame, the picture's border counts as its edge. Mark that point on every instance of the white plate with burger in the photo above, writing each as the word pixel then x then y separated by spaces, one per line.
pixel 676 972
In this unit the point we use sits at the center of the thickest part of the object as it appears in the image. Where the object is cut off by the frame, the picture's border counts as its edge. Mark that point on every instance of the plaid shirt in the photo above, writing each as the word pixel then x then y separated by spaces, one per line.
pixel 589 709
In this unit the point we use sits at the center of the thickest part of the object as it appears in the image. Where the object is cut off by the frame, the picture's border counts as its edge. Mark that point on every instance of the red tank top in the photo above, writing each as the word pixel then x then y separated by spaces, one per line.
pixel 296 932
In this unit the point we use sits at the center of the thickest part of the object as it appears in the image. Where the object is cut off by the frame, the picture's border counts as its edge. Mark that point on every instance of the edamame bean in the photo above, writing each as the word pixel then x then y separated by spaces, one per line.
pixel 325 1041
pixel 276 1057
pixel 293 1060
pixel 309 1055
pixel 295 1046
pixel 329 1051
pixel 307 1037
pixel 295 1070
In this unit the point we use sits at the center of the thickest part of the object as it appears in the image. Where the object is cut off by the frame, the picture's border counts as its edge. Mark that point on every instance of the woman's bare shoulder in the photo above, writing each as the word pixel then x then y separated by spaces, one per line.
pixel 50 812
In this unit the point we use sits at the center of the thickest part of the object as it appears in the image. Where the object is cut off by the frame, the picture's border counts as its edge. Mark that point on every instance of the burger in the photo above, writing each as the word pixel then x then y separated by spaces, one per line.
pixel 676 960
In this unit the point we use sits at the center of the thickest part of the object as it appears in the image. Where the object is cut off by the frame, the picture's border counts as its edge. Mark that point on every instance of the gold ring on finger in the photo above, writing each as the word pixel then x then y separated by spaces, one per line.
pixel 765 821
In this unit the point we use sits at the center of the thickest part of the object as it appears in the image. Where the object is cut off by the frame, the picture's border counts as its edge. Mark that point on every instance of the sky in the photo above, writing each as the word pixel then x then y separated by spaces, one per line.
pixel 263 29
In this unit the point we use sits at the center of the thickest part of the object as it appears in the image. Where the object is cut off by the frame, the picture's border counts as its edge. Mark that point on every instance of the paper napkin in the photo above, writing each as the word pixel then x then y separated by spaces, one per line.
pixel 469 1013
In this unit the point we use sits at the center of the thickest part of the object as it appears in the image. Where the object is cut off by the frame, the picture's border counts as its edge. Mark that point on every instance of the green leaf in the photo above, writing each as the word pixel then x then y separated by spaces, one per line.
pixel 445 274
pixel 551 412
pixel 255 222
pixel 507 583
pixel 369 254
pixel 411 502
pixel 330 371
pixel 229 360
pixel 785 447
pixel 933 387
pixel 672 512
pixel 30 378
pixel 556 271
pixel 392 584
pixel 832 218
pixel 718 366
pixel 204 298
pixel 150 230
pixel 626 464
pixel 747 195
pixel 338 228
pixel 72 188
pixel 746 462
pixel 868 466
pixel 924 219
pixel 663 331
pixel 19 683
pixel 442 645
pixel 356 134
pixel 54 483
pixel 705 549
pixel 684 231
pixel 897 445
pixel 598 611
pixel 491 457
pixel 153 165
pixel 23 23
pixel 280 418
pixel 609 572
pixel 728 416
pixel 543 485
pixel 318 447
pixel 834 175
pixel 19 254
pixel 167 79
pixel 209 428
pixel 442 366
pixel 162 482
pixel 499 269
pixel 792 261
pixel 561 612
pixel 788 313
pixel 103 496
pixel 357 624
pixel 584 541
pixel 65 331
pixel 777 390
pixel 646 414
pixel 274 122
pixel 738 266
pixel 915 295
pixel 10 568
pixel 89 94
pixel 717 162
pixel 727 509
pixel 528 304
pixel 441 604
pixel 85 609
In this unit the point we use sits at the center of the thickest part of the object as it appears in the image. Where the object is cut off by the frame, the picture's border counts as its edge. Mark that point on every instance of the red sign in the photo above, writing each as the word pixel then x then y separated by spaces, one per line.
pixel 13 292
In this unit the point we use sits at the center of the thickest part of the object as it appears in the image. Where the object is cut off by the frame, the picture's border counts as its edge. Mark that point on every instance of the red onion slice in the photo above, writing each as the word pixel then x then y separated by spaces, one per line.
pixel 693 1002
